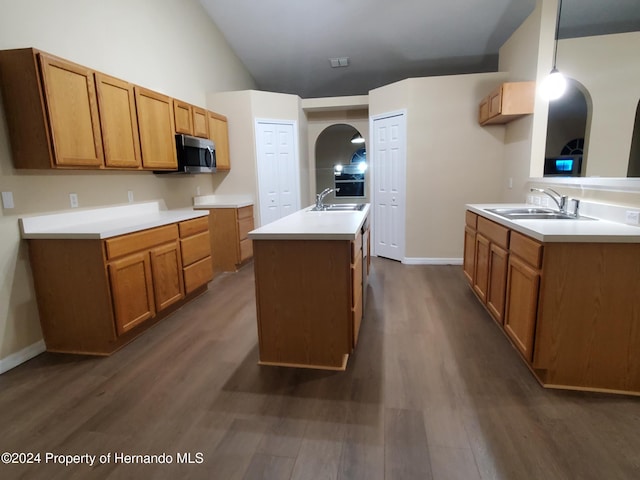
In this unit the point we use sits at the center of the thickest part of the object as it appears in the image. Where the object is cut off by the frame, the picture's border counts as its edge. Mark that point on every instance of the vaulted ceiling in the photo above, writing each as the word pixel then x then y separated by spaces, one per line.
pixel 286 44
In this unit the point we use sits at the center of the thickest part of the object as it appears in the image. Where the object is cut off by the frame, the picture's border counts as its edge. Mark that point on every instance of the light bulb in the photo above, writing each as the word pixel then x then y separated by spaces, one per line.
pixel 554 86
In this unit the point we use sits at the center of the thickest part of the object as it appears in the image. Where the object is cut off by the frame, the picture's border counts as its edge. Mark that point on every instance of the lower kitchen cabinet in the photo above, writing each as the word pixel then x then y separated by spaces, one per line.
pixel 522 292
pixel 522 305
pixel 571 308
pixel 96 295
pixel 489 260
pixel 131 290
pixel 230 245
pixel 195 245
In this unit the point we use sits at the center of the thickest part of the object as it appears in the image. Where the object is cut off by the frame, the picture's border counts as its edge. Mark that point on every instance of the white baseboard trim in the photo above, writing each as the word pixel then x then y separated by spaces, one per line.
pixel 27 353
pixel 431 261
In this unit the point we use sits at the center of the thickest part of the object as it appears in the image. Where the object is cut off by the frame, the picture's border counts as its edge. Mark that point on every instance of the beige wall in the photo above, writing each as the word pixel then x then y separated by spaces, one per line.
pixel 525 56
pixel 242 109
pixel 608 67
pixel 451 159
pixel 166 45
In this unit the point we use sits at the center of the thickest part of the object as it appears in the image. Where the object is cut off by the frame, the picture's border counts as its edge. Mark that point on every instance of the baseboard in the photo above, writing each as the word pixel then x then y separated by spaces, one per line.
pixel 431 261
pixel 27 353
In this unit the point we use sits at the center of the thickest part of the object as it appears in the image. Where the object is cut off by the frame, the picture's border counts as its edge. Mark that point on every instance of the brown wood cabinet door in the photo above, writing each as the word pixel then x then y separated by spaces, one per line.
pixel 183 117
pixel 498 263
pixel 483 110
pixel 72 110
pixel 219 134
pixel 166 268
pixel 522 305
pixel 481 272
pixel 495 102
pixel 131 291
pixel 200 122
pixel 155 121
pixel 469 253
pixel 119 122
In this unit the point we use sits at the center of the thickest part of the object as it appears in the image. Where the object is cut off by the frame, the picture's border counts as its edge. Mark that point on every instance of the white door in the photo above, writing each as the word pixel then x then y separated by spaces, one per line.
pixel 389 180
pixel 278 179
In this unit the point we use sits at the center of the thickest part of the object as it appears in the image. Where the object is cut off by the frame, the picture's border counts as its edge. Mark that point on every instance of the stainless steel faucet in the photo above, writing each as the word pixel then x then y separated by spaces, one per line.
pixel 559 199
pixel 320 197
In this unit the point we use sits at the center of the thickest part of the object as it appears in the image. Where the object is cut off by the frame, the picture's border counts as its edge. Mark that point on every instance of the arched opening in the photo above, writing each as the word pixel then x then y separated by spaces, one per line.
pixel 634 154
pixel 567 136
pixel 341 164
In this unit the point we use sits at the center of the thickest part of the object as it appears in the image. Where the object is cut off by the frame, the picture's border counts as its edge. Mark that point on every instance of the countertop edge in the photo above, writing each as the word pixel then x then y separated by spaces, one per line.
pixel 174 216
pixel 525 229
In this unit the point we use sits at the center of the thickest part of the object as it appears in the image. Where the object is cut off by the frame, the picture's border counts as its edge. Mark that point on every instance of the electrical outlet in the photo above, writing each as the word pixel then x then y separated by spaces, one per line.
pixel 536 200
pixel 632 217
pixel 198 190
pixel 130 195
pixel 73 200
pixel 544 202
pixel 530 199
pixel 7 200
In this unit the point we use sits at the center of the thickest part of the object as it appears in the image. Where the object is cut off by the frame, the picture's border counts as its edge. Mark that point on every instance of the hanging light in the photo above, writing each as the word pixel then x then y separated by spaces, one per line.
pixel 554 86
pixel 357 138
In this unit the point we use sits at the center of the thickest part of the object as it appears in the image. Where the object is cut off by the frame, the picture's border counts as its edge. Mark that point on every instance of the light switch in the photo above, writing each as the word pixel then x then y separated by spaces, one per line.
pixel 7 200
pixel 130 195
pixel 73 200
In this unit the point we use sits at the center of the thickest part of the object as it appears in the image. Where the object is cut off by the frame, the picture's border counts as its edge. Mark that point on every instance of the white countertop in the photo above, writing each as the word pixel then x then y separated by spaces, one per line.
pixel 222 201
pixel 309 225
pixel 599 231
pixel 103 222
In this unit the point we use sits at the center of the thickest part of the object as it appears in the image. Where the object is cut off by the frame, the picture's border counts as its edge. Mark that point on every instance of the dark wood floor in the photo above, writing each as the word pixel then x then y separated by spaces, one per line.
pixel 434 390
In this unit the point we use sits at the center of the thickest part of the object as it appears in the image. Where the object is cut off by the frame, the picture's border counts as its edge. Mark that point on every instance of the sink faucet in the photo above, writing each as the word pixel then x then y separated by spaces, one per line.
pixel 320 197
pixel 560 200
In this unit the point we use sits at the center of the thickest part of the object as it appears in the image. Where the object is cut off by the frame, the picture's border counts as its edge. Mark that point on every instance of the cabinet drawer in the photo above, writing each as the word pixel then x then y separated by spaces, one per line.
pixel 246 249
pixel 191 227
pixel 197 274
pixel 471 219
pixel 245 225
pixel 527 249
pixel 245 212
pixel 494 232
pixel 143 240
pixel 195 248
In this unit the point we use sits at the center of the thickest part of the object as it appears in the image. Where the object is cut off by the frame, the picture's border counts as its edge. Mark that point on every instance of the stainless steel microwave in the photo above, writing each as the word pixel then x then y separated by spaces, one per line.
pixel 563 166
pixel 195 155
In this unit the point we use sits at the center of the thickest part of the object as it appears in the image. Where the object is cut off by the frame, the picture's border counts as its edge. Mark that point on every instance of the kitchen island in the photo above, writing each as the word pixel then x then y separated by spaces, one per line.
pixel 310 274
pixel 564 292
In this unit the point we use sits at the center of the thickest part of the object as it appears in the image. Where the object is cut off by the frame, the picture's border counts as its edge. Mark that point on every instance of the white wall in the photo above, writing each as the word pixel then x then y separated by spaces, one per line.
pixel 167 45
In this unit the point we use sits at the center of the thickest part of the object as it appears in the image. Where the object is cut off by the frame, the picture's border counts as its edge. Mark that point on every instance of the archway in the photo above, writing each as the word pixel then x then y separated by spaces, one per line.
pixel 567 132
pixel 341 164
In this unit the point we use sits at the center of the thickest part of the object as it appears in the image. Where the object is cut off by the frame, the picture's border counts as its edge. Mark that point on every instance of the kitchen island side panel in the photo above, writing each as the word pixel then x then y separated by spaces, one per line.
pixel 303 298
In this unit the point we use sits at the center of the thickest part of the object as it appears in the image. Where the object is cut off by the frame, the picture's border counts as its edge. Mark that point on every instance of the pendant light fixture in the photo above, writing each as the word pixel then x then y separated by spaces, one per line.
pixel 357 138
pixel 554 86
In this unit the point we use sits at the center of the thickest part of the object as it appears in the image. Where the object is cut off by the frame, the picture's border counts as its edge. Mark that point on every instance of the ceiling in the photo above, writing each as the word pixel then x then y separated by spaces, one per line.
pixel 286 44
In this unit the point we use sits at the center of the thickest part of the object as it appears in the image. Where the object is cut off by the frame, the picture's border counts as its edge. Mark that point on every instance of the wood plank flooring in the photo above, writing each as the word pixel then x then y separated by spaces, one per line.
pixel 434 391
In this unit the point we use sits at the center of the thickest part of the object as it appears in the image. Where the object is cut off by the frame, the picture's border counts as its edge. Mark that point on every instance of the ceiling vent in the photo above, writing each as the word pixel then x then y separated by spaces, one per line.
pixel 339 62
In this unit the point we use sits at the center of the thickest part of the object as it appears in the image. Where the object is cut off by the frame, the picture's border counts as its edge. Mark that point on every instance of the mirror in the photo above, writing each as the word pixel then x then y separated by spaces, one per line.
pixel 606 70
pixel 341 164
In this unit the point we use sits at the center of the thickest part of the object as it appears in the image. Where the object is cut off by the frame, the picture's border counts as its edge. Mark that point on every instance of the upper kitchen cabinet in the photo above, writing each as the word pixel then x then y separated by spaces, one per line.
pixel 52 111
pixel 183 113
pixel 200 122
pixel 219 134
pixel 156 124
pixel 119 122
pixel 507 102
pixel 190 120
